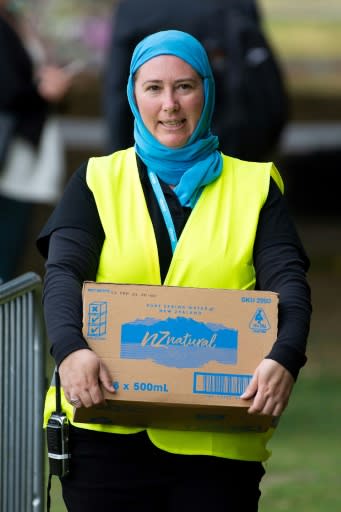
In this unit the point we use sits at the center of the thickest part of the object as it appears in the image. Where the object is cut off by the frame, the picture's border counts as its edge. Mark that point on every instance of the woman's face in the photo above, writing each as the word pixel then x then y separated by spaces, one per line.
pixel 170 98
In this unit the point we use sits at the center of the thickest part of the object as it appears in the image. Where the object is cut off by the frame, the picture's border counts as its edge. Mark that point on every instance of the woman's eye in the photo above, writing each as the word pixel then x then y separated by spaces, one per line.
pixel 153 88
pixel 185 86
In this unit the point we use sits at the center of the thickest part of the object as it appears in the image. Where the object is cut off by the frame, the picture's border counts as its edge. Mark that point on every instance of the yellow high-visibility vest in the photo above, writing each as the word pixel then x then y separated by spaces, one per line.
pixel 215 250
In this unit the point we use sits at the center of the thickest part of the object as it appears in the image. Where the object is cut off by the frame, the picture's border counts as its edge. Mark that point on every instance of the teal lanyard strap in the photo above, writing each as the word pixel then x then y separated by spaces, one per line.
pixel 164 209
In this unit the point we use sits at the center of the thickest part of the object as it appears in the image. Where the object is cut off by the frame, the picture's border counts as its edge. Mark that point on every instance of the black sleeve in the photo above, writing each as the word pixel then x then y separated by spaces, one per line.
pixel 72 258
pixel 76 209
pixel 71 241
pixel 281 265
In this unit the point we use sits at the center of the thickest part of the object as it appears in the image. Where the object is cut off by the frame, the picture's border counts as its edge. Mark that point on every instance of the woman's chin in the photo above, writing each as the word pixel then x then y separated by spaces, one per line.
pixel 173 141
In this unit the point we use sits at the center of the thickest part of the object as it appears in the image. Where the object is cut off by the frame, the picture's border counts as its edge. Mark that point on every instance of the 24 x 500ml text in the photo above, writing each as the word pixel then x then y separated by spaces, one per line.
pixel 149 386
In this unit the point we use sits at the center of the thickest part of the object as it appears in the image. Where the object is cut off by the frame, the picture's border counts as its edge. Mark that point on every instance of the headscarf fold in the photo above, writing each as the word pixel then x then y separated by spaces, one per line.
pixel 198 162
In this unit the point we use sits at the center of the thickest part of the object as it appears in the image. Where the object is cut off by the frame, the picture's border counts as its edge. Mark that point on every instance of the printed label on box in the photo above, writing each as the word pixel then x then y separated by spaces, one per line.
pixel 179 342
pixel 220 383
pixel 97 319
pixel 259 321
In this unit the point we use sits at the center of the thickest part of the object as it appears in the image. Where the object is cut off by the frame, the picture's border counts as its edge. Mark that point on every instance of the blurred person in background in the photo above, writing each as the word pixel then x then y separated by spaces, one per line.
pixel 171 210
pixel 251 98
pixel 32 171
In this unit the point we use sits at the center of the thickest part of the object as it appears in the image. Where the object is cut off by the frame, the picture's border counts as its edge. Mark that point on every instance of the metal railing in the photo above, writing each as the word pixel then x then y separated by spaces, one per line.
pixel 22 382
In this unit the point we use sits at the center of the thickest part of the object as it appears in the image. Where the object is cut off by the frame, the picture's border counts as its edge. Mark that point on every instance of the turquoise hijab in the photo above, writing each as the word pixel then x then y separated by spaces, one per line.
pixel 198 162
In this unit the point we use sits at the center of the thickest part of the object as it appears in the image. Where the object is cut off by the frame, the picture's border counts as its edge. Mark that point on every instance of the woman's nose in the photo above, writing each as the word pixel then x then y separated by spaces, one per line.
pixel 170 102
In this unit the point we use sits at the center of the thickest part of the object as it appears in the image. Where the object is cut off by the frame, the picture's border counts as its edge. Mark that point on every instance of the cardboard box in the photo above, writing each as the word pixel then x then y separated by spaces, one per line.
pixel 179 357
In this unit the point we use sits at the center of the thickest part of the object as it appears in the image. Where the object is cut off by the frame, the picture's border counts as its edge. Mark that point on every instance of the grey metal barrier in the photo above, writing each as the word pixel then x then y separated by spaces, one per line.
pixel 22 381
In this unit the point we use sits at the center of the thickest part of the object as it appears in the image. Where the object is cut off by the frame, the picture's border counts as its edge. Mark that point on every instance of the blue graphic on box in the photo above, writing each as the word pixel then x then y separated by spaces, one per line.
pixel 220 383
pixel 97 319
pixel 179 342
pixel 259 321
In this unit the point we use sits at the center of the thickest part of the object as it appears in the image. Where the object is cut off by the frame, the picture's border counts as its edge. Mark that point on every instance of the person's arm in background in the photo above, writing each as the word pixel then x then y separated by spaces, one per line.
pixel 24 92
pixel 21 87
pixel 53 82
pixel 281 265
pixel 18 90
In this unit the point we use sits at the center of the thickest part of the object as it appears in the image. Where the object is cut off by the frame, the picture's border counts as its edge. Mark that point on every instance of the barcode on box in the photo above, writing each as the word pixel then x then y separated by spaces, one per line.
pixel 220 383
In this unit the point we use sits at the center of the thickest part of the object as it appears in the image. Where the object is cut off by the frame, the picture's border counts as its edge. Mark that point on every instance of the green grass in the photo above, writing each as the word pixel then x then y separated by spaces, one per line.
pixel 57 504
pixel 304 471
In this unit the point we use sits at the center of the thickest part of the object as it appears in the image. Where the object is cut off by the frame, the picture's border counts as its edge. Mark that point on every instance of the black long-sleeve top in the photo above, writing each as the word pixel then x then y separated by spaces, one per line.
pixel 72 240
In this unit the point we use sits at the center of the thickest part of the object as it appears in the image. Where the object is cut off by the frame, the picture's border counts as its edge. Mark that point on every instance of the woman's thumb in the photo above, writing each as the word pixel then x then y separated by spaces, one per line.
pixel 105 379
pixel 251 389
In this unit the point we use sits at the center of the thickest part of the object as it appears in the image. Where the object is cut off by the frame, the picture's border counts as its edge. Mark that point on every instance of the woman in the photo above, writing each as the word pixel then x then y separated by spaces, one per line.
pixel 138 216
pixel 28 88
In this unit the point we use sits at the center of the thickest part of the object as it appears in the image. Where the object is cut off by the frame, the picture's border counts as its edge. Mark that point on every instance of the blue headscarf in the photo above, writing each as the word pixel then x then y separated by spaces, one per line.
pixel 198 162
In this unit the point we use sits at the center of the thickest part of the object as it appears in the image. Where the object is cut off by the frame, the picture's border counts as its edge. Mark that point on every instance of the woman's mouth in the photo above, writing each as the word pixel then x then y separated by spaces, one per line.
pixel 172 124
pixel 175 122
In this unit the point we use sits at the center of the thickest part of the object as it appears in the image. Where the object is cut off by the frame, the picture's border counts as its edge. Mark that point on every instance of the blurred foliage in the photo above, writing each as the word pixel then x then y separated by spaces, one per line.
pixel 73 30
pixel 302 10
pixel 308 28
pixel 307 38
pixel 305 34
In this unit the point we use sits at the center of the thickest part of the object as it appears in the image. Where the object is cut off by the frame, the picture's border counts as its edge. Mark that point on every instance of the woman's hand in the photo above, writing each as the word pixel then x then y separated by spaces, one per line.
pixel 81 374
pixel 270 388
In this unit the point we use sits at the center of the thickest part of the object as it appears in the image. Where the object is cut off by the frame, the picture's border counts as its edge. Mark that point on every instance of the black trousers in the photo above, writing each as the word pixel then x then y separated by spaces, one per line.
pixel 120 472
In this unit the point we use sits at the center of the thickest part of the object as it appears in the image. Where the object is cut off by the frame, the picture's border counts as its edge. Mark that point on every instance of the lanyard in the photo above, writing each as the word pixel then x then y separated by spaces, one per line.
pixel 164 209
